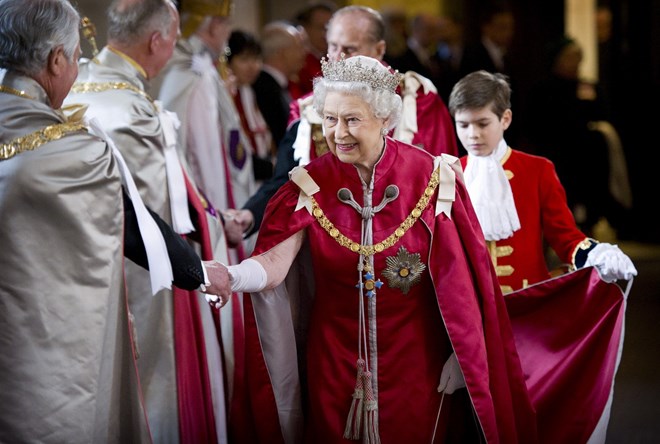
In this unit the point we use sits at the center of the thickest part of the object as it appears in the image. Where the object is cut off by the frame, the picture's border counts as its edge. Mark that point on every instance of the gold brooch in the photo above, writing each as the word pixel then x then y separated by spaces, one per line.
pixel 403 270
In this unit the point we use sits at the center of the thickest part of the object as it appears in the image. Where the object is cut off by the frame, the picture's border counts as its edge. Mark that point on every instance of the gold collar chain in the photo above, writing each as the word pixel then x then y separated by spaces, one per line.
pixel 368 250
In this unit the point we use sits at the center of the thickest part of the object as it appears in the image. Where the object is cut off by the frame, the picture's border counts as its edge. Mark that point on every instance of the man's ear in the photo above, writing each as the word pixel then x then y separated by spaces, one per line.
pixel 380 48
pixel 57 61
pixel 155 41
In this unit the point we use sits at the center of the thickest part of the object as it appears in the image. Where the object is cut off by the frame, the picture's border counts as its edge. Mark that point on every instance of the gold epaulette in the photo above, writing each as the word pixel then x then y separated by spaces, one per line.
pixel 36 139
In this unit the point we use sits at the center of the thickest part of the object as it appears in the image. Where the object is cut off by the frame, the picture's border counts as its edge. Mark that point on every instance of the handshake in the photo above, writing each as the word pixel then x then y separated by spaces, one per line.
pixel 248 276
pixel 218 287
pixel 237 222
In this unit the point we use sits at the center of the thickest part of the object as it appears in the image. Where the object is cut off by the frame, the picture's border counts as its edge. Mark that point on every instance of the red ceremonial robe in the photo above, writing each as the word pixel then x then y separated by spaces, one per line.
pixel 196 415
pixel 569 334
pixel 435 127
pixel 454 304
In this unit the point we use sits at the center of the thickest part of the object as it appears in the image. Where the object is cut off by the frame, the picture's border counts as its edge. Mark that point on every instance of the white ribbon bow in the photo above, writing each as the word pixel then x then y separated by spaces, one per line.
pixel 449 165
pixel 308 187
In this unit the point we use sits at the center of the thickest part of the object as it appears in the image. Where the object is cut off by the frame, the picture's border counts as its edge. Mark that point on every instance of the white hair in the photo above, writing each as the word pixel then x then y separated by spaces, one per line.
pixel 29 32
pixel 127 23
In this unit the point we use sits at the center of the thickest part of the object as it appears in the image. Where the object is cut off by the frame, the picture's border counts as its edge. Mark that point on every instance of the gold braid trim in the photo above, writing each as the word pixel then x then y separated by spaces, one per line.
pixel 87 87
pixel 7 89
pixel 368 250
pixel 36 139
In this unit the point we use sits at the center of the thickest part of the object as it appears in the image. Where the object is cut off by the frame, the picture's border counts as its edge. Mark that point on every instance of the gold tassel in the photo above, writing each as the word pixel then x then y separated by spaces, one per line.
pixel 354 420
pixel 371 435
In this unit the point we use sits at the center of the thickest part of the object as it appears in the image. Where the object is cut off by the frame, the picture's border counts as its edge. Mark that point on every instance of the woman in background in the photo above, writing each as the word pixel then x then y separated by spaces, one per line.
pixel 244 62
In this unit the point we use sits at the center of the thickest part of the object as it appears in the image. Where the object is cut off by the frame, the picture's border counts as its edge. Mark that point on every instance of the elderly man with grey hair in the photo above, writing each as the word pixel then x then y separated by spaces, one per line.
pixel 180 370
pixel 68 359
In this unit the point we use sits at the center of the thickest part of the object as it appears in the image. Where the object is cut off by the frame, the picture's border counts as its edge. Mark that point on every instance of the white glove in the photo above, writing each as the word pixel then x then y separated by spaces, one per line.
pixel 451 378
pixel 612 264
pixel 248 276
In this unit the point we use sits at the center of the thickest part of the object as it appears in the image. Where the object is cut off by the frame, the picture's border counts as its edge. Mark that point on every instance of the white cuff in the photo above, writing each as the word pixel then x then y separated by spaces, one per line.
pixel 249 276
pixel 206 283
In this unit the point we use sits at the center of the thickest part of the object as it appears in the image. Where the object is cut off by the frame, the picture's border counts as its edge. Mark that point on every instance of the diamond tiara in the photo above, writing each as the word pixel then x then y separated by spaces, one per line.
pixel 352 69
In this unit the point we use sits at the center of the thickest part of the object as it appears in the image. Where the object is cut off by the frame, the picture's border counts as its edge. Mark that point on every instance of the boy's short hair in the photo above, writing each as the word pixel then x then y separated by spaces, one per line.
pixel 479 89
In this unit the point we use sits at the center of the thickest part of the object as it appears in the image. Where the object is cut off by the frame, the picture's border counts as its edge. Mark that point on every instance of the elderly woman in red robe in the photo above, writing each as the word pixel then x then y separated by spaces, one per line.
pixel 375 314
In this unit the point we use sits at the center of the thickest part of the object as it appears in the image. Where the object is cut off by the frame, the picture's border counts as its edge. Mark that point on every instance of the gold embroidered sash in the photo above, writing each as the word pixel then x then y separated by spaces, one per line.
pixel 36 139
pixel 9 90
pixel 88 87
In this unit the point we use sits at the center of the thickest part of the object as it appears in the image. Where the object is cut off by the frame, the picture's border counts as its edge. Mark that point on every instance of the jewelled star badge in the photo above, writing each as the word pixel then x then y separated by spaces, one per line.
pixel 369 282
pixel 403 270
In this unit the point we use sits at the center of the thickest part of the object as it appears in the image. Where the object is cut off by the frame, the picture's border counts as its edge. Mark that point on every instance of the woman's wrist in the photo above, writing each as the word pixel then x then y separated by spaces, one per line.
pixel 249 276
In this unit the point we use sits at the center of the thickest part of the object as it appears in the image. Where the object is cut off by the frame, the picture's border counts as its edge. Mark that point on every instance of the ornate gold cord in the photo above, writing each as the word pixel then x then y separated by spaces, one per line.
pixel 368 250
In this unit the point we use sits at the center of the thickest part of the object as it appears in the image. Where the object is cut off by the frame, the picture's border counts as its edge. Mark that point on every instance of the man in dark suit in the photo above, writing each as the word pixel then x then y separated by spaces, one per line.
pixel 489 52
pixel 314 19
pixel 419 46
pixel 283 55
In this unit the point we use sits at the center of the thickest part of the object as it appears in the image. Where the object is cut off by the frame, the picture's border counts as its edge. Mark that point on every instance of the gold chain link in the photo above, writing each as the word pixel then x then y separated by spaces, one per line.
pixel 368 250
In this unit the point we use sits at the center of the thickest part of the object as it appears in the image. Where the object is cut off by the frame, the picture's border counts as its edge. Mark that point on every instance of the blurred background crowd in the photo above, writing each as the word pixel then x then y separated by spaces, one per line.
pixel 578 70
